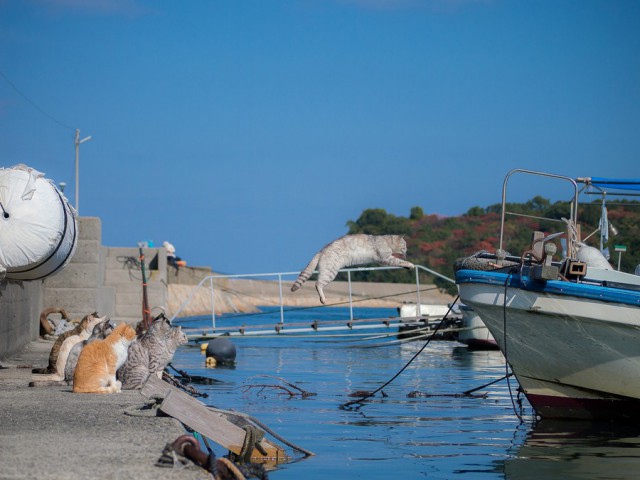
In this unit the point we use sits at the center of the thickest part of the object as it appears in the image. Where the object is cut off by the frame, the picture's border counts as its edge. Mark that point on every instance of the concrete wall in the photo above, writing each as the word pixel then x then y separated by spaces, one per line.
pixel 107 279
pixel 187 275
pixel 20 307
pixel 80 287
pixel 122 274
pixel 103 279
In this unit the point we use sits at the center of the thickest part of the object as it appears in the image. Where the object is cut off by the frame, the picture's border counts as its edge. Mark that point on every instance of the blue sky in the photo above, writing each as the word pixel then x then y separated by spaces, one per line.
pixel 248 133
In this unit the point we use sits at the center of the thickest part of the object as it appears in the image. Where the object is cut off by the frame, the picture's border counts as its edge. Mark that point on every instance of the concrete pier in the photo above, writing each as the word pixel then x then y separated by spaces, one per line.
pixel 53 433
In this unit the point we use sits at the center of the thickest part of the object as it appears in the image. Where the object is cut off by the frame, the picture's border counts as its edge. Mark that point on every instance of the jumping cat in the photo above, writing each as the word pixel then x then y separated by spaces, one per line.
pixel 151 353
pixel 100 360
pixel 101 331
pixel 58 354
pixel 350 250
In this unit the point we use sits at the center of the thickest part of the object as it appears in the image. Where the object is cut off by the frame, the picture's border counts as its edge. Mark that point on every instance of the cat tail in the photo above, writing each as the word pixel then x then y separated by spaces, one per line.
pixel 306 273
pixel 42 370
pixel 47 383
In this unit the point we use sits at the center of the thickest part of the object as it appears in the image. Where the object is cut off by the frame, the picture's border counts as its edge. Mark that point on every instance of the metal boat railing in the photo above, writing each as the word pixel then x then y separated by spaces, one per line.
pixel 571 223
pixel 210 281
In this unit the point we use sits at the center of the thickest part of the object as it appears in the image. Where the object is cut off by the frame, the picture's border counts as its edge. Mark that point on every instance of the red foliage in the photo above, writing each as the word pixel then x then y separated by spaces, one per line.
pixel 619 213
pixel 427 247
pixel 437 261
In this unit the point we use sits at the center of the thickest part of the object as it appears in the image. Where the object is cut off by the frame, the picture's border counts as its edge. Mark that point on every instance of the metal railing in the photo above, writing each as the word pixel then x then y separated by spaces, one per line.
pixel 279 275
pixel 571 223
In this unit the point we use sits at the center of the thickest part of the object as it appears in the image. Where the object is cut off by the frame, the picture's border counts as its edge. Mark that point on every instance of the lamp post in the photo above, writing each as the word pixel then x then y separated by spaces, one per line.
pixel 78 142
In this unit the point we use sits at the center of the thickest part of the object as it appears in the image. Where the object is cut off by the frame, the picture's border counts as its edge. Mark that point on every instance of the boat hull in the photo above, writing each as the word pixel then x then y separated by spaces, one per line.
pixel 474 333
pixel 574 349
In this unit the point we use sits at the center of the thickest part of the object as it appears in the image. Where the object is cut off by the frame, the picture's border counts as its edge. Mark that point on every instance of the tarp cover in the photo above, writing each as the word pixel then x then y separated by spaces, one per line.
pixel 38 228
pixel 618 183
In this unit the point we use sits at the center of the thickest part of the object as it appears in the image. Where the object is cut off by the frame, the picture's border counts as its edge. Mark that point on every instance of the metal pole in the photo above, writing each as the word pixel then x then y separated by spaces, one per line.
pixel 350 299
pixel 146 311
pixel 619 258
pixel 213 308
pixel 419 309
pixel 281 305
pixel 77 172
pixel 78 142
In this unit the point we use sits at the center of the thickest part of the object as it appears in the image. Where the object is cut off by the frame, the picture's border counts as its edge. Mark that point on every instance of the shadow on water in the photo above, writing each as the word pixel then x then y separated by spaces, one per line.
pixel 575 449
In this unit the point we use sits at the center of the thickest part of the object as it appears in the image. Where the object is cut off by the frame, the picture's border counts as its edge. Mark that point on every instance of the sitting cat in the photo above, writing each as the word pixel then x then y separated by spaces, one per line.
pixel 99 361
pixel 349 250
pixel 151 353
pixel 101 331
pixel 47 327
pixel 63 344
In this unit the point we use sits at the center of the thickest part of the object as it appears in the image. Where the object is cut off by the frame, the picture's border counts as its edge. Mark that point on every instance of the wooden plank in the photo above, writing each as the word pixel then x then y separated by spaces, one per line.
pixel 213 425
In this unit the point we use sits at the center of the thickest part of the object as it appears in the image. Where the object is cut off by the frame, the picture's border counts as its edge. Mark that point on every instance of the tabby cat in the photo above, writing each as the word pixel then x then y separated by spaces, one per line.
pixel 151 353
pixel 101 331
pixel 99 361
pixel 84 328
pixel 350 250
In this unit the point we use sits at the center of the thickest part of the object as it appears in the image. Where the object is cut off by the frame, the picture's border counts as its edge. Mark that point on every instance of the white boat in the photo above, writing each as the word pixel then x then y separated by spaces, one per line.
pixel 569 331
pixel 473 332
pixel 423 311
pixel 419 319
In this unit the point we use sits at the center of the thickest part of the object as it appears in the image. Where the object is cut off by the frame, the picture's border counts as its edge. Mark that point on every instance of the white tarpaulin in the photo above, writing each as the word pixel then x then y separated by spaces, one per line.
pixel 38 228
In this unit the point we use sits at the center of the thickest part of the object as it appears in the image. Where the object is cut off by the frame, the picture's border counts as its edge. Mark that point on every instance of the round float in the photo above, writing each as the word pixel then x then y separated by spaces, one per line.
pixel 222 350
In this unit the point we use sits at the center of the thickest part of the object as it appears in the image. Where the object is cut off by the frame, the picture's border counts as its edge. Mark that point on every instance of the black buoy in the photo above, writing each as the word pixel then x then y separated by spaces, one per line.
pixel 221 350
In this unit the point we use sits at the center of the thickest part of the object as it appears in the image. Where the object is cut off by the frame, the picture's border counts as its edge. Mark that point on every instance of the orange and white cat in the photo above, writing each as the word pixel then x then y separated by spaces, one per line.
pixel 61 350
pixel 99 361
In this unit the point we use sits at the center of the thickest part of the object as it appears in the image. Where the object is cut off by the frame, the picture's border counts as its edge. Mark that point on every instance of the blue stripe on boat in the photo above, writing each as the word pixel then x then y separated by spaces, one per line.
pixel 555 287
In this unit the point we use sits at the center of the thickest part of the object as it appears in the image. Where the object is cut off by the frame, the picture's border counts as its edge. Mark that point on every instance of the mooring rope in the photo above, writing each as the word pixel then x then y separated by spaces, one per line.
pixel 481 387
pixel 371 394
pixel 131 264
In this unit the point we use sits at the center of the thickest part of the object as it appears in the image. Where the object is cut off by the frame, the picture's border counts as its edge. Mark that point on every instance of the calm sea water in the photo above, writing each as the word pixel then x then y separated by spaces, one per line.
pixel 439 436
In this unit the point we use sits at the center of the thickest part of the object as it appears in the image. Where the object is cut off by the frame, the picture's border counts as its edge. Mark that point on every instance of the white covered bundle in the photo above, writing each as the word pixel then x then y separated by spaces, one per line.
pixel 592 257
pixel 38 227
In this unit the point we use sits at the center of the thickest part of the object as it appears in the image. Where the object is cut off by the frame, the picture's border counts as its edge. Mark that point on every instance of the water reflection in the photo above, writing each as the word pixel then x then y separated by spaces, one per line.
pixel 574 449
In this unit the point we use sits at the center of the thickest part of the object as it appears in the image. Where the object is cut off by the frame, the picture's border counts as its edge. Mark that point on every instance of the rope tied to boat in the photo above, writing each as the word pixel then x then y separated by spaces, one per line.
pixel 251 441
pixel 167 377
pixel 346 406
pixel 148 409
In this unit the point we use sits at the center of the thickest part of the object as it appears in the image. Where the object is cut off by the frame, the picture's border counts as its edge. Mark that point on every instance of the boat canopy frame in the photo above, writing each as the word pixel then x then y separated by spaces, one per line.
pixel 572 222
pixel 604 186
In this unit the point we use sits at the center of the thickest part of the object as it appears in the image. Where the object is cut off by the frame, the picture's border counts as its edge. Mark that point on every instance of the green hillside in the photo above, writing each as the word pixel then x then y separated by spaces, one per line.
pixel 436 241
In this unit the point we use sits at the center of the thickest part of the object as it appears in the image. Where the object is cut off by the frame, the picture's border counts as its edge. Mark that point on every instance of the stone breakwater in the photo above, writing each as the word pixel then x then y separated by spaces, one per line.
pixel 236 295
